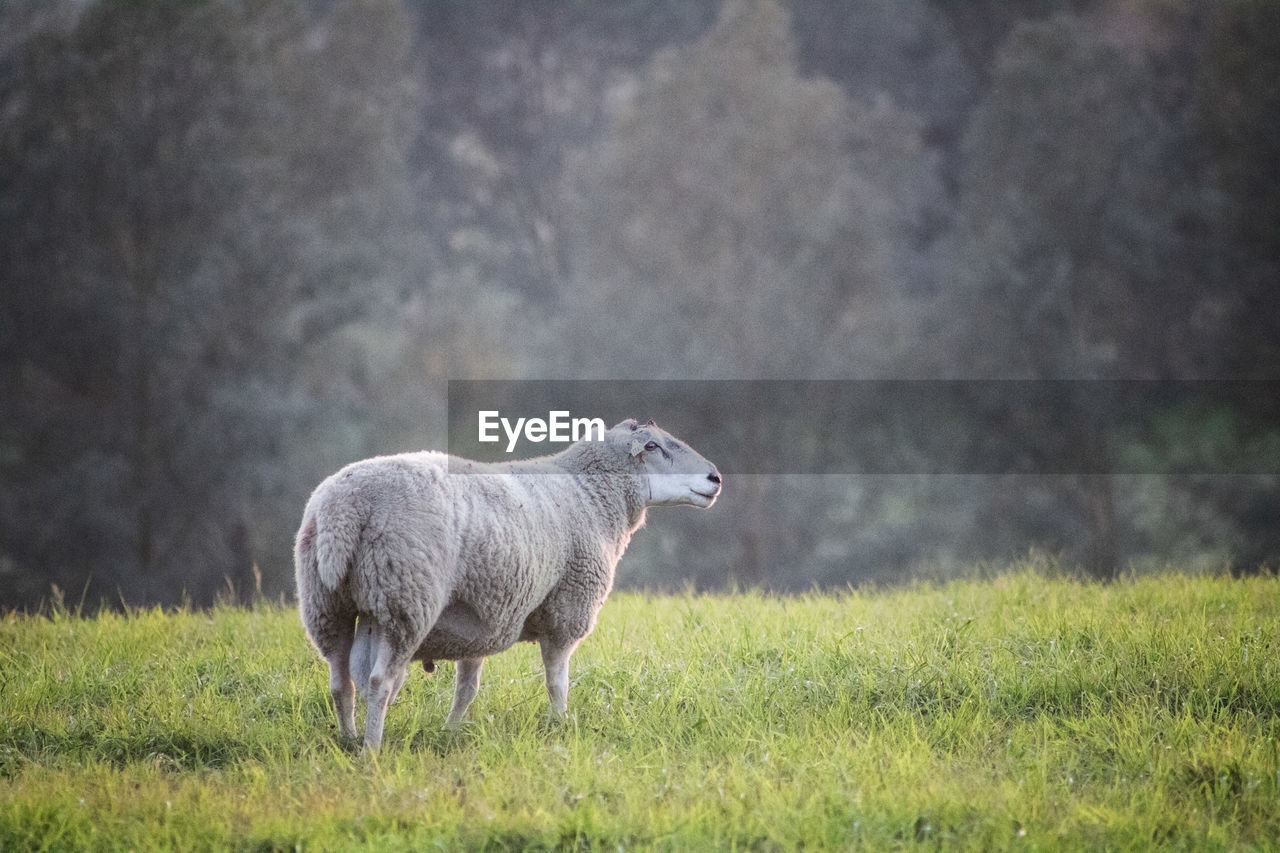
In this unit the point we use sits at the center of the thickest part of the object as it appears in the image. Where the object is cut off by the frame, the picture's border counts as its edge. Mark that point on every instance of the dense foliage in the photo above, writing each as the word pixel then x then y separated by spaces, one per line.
pixel 242 245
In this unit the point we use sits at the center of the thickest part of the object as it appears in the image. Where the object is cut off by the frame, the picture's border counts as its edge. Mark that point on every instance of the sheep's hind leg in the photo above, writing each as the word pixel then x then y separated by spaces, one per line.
pixel 363 654
pixel 468 682
pixel 555 659
pixel 341 687
pixel 386 677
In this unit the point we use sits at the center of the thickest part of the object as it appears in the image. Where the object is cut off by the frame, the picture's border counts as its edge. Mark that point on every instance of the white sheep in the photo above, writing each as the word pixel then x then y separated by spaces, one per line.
pixel 430 557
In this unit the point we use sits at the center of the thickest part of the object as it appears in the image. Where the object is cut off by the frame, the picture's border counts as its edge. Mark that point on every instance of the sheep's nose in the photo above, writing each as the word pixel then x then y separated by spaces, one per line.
pixel 714 477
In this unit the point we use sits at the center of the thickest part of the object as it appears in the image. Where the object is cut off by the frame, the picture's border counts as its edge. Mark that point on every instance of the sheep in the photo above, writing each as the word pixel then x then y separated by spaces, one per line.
pixel 424 556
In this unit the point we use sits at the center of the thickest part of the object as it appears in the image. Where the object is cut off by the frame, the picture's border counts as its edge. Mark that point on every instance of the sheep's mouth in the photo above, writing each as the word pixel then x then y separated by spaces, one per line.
pixel 708 498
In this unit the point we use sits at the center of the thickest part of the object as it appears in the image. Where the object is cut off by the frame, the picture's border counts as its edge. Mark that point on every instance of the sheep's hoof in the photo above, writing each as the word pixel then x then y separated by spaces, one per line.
pixel 428 666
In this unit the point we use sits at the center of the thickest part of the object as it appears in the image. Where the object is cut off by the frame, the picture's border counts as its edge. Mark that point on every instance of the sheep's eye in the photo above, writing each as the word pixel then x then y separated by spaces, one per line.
pixel 653 445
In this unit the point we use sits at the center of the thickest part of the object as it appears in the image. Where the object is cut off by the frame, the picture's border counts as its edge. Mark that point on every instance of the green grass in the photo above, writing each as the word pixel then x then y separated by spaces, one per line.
pixel 1017 713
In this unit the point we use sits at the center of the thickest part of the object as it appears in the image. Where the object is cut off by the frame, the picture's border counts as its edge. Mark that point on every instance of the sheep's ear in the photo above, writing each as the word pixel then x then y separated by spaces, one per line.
pixel 636 446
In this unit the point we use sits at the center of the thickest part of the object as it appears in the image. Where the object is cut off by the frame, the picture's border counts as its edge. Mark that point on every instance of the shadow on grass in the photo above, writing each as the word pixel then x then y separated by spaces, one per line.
pixel 167 751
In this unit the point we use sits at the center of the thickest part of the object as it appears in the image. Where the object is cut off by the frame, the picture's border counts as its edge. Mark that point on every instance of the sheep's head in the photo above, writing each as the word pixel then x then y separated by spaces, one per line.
pixel 672 471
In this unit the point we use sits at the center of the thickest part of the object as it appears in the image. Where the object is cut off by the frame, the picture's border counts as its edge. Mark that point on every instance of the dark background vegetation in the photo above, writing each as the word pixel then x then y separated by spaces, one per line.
pixel 242 244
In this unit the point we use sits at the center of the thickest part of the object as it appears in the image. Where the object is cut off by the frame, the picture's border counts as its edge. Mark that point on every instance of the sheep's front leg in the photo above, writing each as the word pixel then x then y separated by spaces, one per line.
pixel 464 690
pixel 555 659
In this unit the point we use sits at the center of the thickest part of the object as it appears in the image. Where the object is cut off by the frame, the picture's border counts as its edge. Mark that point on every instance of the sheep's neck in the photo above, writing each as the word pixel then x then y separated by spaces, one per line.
pixel 601 472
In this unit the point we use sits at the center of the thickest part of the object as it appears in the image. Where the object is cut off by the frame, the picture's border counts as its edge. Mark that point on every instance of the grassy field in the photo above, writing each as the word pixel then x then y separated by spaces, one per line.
pixel 1017 713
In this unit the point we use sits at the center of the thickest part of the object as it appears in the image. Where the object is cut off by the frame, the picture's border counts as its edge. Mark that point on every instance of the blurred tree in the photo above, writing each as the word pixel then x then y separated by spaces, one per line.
pixel 906 49
pixel 510 86
pixel 980 27
pixel 1075 196
pixel 1239 112
pixel 738 220
pixel 735 220
pixel 189 192
pixel 1083 245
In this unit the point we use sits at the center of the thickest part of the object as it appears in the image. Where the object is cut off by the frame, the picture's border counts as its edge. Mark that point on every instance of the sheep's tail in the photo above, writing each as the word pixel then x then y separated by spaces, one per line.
pixel 337 535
